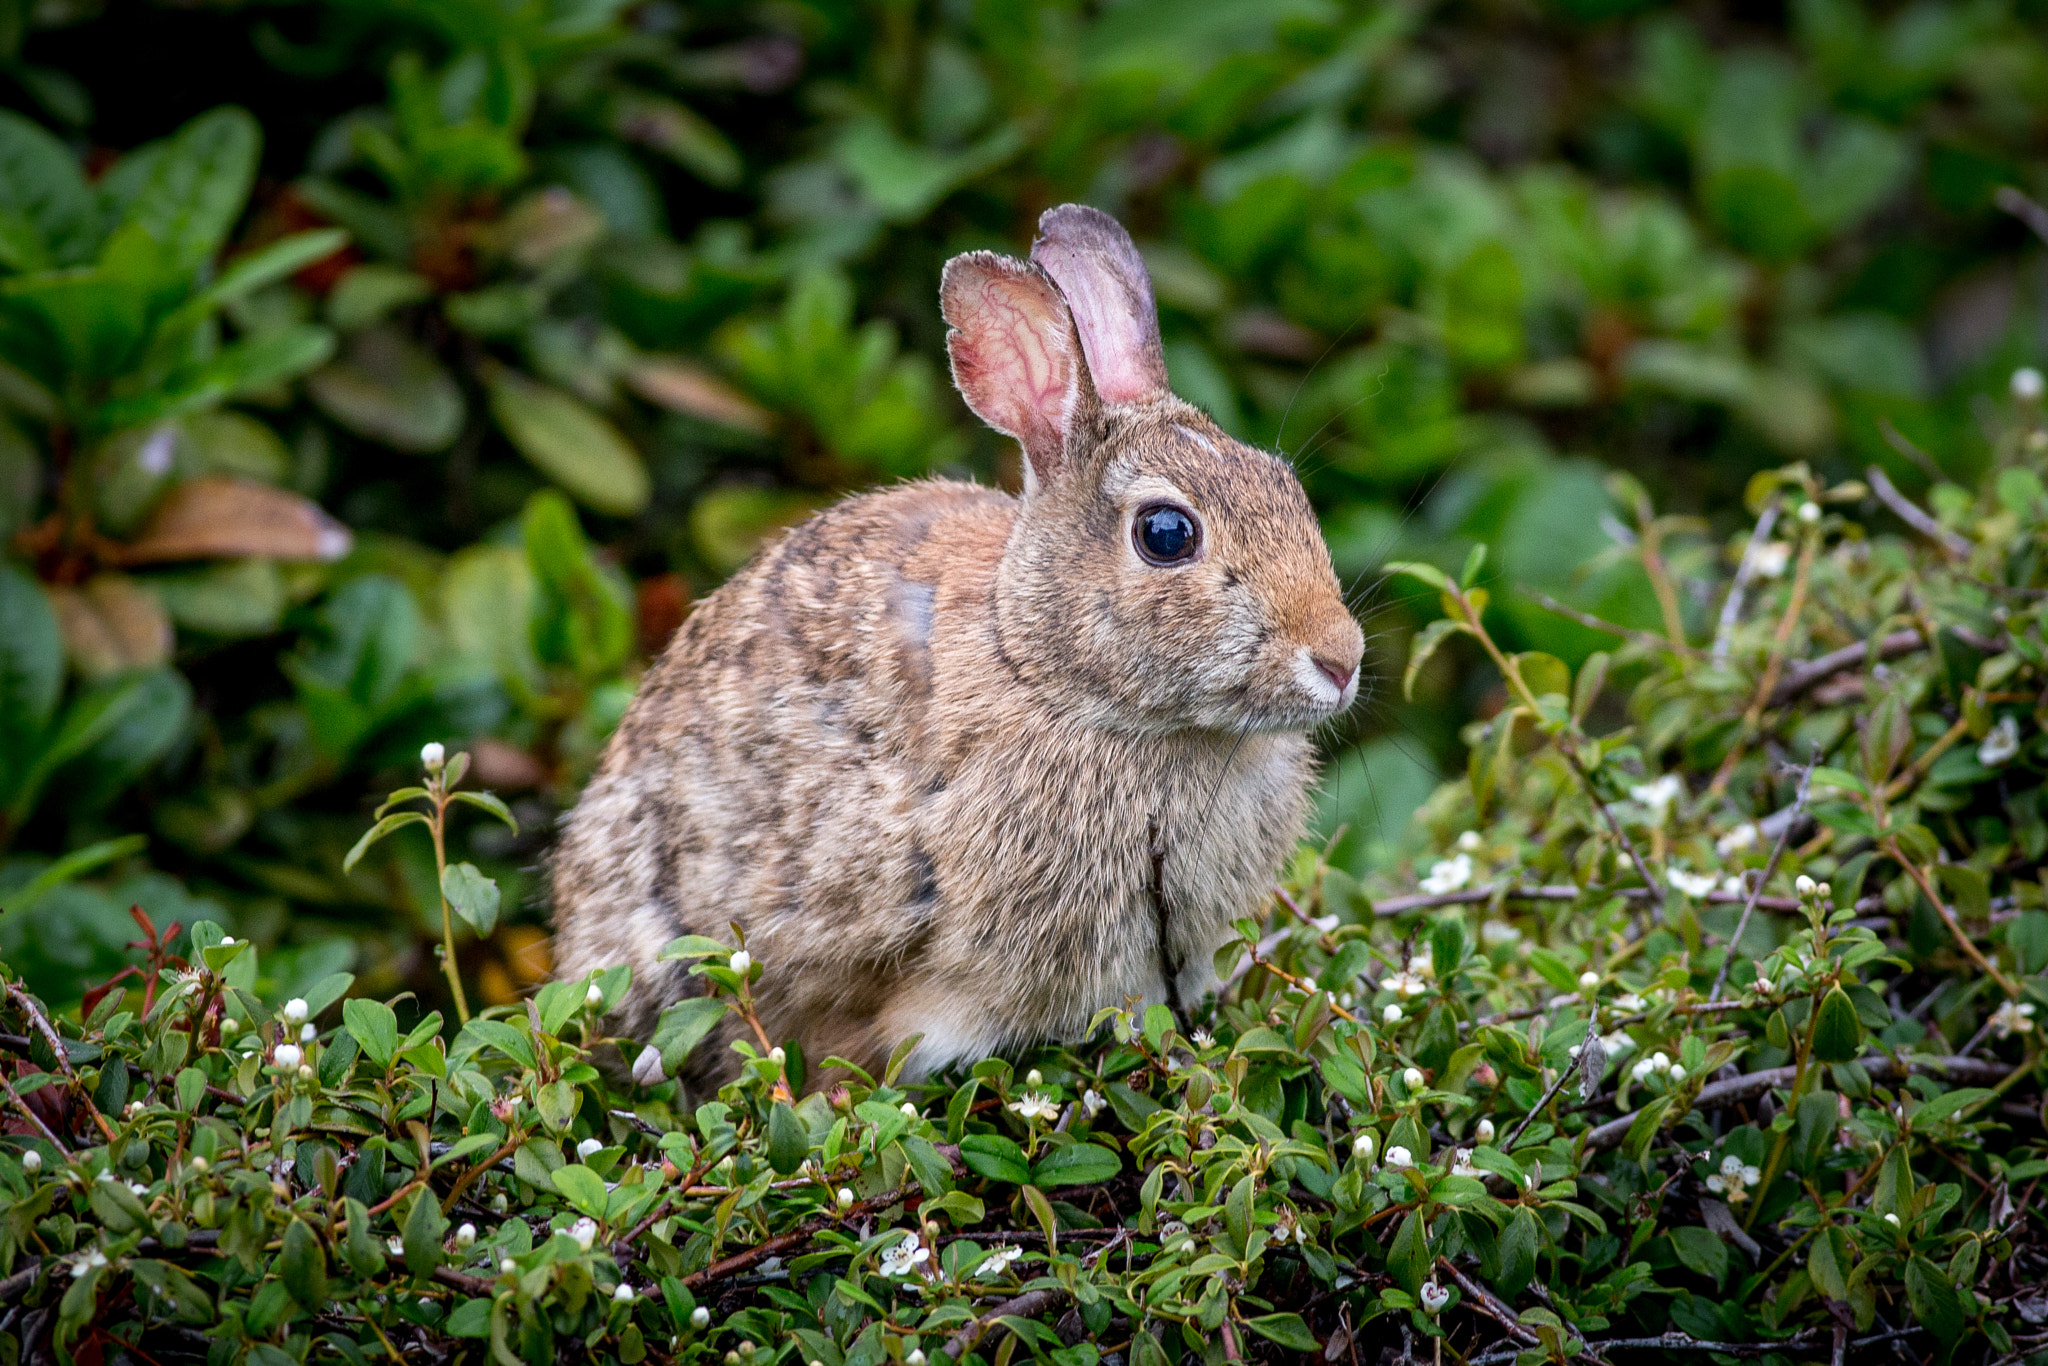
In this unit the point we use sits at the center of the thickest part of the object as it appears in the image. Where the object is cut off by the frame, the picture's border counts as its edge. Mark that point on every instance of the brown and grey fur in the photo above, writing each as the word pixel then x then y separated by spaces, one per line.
pixel 965 765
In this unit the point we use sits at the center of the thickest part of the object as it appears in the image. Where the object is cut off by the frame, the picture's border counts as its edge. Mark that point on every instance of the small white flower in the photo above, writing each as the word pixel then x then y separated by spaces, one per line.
pixel 137 1188
pixel 998 1261
pixel 1804 885
pixel 909 1109
pixel 700 1317
pixel 844 1199
pixel 1658 795
pixel 288 1055
pixel 1678 1071
pixel 647 1067
pixel 432 756
pixel 1035 1105
pixel 587 1147
pixel 1092 1102
pixel 1398 1156
pixel 2026 384
pixel 295 1010
pixel 1642 1070
pixel 507 1266
pixel 1202 1039
pixel 1448 875
pixel 92 1259
pixel 1743 836
pixel 1660 1061
pixel 1589 980
pixel 2013 1017
pixel 1483 1131
pixel 740 962
pixel 1461 1163
pixel 1392 1014
pixel 1771 559
pixel 227 941
pixel 1495 933
pixel 1732 884
pixel 1750 1175
pixel 1616 1043
pixel 1809 513
pixel 904 1257
pixel 395 1246
pixel 1406 982
pixel 623 1295
pixel 1469 841
pixel 593 996
pixel 1412 1078
pixel 1694 885
pixel 31 1161
pixel 1628 1001
pixel 2001 744
pixel 915 1357
pixel 584 1231
pixel 1434 1296
pixel 1731 1166
pixel 200 1164
pixel 465 1235
pixel 1362 1146
pixel 1892 1219
pixel 308 1032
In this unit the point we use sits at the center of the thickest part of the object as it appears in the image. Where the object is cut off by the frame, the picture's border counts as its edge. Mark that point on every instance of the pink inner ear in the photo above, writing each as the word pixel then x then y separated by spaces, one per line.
pixel 1012 351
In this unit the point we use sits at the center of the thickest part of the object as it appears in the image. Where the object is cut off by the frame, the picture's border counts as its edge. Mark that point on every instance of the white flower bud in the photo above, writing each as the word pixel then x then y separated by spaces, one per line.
pixel 227 941
pixel 1034 1078
pixel 909 1109
pixel 589 1146
pixel 1892 1219
pixel 432 756
pixel 1483 1131
pixel 1678 1071
pixel 295 1011
pixel 593 996
pixel 647 1067
pixel 700 1318
pixel 305 1071
pixel 465 1235
pixel 1398 1156
pixel 1804 885
pixel 1362 1147
pixel 288 1055
pixel 623 1295
pixel 1412 1078
pixel 915 1358
pixel 508 1266
pixel 779 1054
pixel 199 1164
pixel 1588 980
pixel 1809 512
pixel 31 1161
pixel 740 962
pixel 584 1231
pixel 2026 384
pixel 844 1198
pixel 1392 1014
pixel 308 1032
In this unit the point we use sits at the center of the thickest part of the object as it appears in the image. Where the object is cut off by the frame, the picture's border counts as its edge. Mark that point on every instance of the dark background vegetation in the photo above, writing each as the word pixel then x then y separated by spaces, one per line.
pixel 1462 262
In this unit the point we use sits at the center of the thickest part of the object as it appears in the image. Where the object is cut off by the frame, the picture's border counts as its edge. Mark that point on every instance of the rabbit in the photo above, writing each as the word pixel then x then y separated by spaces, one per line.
pixel 967 766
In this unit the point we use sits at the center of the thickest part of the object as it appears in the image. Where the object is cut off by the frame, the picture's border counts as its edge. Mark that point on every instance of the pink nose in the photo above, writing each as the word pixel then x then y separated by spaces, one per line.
pixel 1340 674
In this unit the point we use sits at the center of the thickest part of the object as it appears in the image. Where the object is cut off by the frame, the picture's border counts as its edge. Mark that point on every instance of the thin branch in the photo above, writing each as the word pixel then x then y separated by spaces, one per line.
pixel 1906 510
pixel 56 1042
pixel 1819 669
pixel 1731 607
pixel 796 1237
pixel 1720 1095
pixel 2026 210
pixel 1028 1305
pixel 1896 439
pixel 1646 638
pixel 1770 869
pixel 1485 1300
pixel 1592 1031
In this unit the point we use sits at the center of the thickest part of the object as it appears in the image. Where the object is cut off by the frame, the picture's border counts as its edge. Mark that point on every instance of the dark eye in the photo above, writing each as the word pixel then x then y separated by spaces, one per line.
pixel 1166 534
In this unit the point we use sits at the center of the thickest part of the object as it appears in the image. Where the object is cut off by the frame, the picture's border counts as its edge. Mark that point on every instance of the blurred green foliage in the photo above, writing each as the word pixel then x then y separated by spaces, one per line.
pixel 381 371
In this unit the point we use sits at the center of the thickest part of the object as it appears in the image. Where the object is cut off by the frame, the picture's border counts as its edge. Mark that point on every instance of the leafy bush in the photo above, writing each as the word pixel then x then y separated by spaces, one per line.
pixel 376 373
pixel 1703 1031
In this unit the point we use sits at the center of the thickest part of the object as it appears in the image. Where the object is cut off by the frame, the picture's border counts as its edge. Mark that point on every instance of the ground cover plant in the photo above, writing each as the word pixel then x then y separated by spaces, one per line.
pixel 1710 1029
pixel 377 374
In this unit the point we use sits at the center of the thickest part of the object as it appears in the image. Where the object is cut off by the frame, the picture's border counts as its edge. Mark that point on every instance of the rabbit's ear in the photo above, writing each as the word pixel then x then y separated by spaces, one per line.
pixel 1090 257
pixel 1014 357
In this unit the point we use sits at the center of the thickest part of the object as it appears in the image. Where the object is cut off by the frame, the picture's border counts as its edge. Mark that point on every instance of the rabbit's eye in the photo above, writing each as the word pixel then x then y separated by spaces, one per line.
pixel 1165 534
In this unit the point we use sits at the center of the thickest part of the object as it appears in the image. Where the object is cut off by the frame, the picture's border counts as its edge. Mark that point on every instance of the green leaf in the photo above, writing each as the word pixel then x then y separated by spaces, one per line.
pixel 397 820
pixel 31 673
pixel 1701 1250
pixel 426 1226
pixel 1425 646
pixel 72 865
pixel 1286 1329
pixel 1077 1164
pixel 45 206
pixel 374 1026
pixel 583 1188
pixel 1837 1033
pixel 486 801
pixel 1428 573
pixel 513 1042
pixel 187 190
pixel 1934 1301
pixel 683 1026
pixel 302 1266
pixel 389 388
pixel 1409 1258
pixel 184 1296
pixel 570 443
pixel 474 896
pixel 995 1157
pixel 788 1141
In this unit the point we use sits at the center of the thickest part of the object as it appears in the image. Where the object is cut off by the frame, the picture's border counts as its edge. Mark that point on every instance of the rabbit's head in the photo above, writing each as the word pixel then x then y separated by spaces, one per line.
pixel 1161 575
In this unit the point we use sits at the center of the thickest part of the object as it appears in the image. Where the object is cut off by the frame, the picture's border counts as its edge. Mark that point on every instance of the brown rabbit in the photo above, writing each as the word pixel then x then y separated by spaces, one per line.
pixel 970 766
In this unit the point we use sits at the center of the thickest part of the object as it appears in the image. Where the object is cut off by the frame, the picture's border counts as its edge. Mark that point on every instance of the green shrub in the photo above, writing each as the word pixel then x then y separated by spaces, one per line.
pixel 1704 1028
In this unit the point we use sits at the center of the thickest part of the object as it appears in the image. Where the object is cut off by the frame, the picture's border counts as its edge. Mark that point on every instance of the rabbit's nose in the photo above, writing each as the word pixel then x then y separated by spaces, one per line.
pixel 1337 671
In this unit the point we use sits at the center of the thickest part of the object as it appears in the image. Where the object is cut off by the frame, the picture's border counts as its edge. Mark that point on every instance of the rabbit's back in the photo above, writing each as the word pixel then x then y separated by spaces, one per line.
pixel 771 767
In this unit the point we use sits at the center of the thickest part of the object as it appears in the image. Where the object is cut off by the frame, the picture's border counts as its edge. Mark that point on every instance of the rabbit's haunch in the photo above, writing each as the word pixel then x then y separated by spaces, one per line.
pixel 970 766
